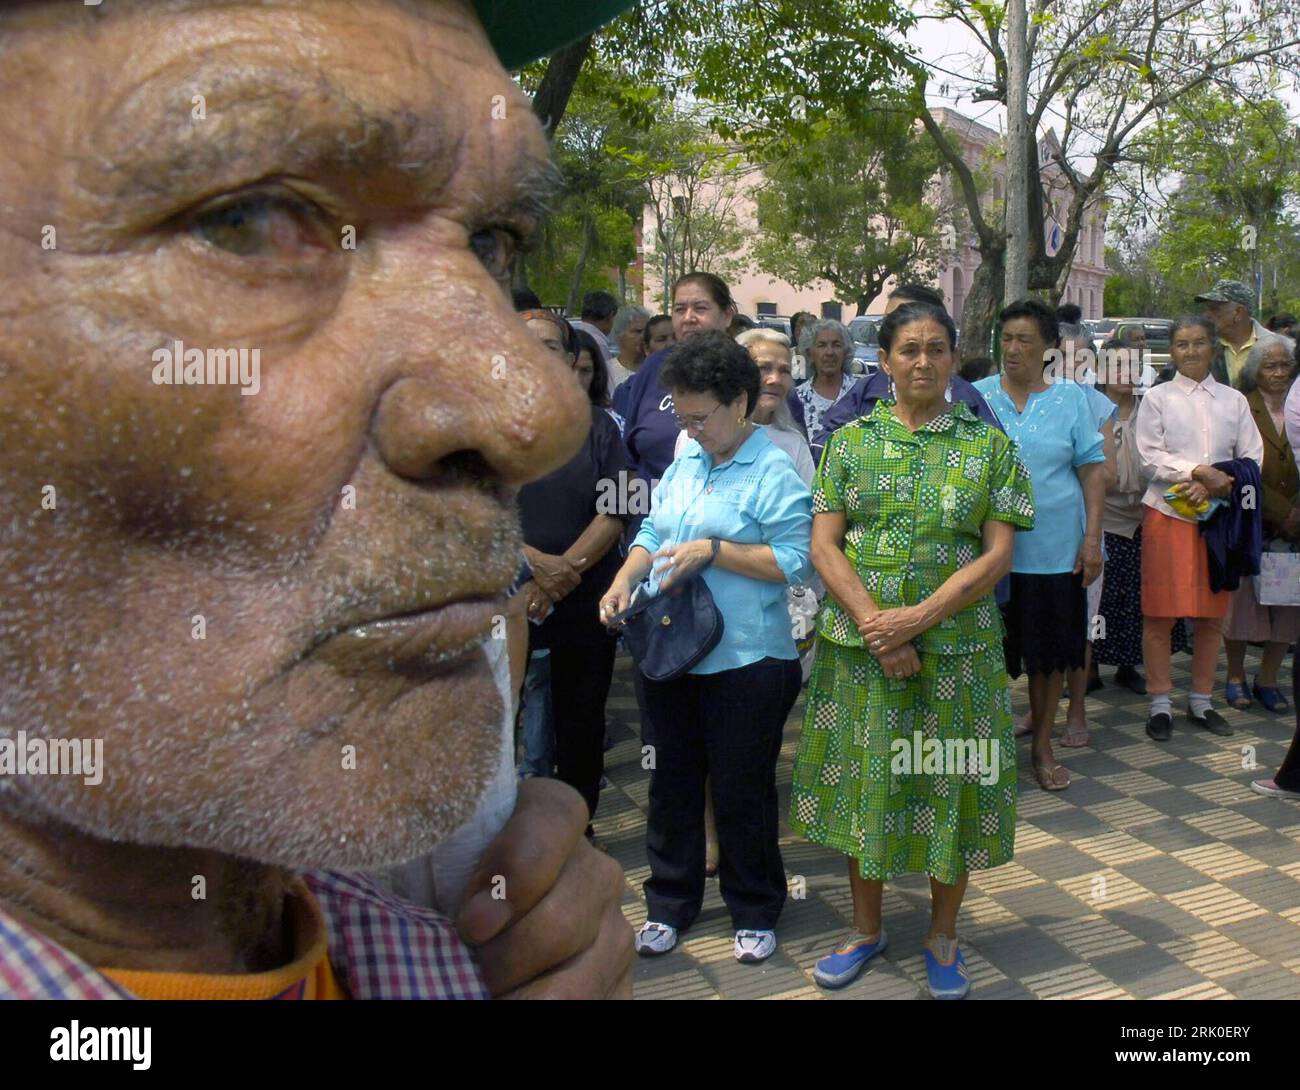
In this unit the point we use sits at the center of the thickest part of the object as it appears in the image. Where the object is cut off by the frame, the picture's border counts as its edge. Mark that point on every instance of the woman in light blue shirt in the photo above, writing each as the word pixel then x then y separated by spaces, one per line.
pixel 1057 437
pixel 731 510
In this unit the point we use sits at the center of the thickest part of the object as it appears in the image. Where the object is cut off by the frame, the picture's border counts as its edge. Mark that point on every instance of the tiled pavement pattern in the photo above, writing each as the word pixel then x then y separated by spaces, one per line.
pixel 1157 874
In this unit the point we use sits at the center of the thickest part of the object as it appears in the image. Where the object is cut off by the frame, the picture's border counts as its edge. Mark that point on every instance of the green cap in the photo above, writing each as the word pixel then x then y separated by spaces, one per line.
pixel 1230 291
pixel 523 30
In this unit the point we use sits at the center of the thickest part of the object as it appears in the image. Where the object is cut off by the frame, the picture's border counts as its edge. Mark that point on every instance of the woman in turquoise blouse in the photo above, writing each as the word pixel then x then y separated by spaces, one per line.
pixel 1056 433
pixel 732 509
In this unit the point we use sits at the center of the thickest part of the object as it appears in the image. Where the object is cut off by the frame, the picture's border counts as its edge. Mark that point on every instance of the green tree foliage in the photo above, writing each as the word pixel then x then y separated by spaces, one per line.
pixel 1215 194
pixel 695 187
pixel 849 206
pixel 589 233
pixel 1100 73
pixel 768 69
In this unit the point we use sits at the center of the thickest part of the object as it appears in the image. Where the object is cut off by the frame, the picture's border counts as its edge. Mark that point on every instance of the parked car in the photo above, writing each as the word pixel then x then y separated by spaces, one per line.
pixel 1157 332
pixel 866 346
pixel 778 322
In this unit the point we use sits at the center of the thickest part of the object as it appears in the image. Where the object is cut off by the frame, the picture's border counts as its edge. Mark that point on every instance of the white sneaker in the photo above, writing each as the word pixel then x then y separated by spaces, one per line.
pixel 1270 788
pixel 755 945
pixel 655 938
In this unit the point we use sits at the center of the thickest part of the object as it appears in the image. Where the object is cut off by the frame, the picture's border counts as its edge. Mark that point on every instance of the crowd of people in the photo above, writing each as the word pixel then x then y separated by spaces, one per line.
pixel 272 612
pixel 952 535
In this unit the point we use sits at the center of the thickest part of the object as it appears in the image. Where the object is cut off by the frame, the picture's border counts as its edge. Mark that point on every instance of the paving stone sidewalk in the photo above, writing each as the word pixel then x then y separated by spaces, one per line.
pixel 1157 874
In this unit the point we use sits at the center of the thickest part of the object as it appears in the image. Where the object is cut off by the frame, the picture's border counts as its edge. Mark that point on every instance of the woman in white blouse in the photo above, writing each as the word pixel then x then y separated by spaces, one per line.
pixel 1183 427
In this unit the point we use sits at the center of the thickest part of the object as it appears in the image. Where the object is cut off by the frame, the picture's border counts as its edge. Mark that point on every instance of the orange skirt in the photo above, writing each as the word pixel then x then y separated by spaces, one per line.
pixel 1176 570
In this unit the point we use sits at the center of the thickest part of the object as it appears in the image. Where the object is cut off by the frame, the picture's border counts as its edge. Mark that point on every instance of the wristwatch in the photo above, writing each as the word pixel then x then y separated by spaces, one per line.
pixel 716 546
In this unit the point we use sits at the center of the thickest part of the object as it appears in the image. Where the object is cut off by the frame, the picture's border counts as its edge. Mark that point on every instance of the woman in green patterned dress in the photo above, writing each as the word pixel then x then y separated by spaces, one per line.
pixel 907 761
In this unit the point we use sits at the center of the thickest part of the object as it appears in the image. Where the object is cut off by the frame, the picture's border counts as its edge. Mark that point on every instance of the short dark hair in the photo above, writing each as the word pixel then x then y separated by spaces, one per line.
pixel 525 299
pixel 1039 312
pixel 648 332
pixel 1069 314
pixel 973 370
pixel 714 285
pixel 597 306
pixel 919 293
pixel 741 323
pixel 1278 320
pixel 908 313
pixel 598 391
pixel 712 363
pixel 1185 320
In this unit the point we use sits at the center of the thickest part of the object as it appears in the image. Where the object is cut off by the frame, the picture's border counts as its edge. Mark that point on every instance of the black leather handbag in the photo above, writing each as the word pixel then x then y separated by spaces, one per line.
pixel 669 633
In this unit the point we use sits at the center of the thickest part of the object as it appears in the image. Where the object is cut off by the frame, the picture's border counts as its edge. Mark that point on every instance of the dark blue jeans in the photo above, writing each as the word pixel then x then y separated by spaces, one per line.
pixel 726 727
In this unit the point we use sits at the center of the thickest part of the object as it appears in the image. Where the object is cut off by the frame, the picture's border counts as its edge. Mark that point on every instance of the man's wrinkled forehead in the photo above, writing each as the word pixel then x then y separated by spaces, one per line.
pixel 407 89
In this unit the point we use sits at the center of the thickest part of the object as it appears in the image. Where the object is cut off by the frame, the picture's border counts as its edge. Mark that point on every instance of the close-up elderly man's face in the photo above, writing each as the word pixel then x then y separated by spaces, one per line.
pixel 232 582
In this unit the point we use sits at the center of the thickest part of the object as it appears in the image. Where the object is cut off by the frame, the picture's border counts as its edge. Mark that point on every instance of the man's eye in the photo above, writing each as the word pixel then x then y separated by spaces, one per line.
pixel 496 248
pixel 274 225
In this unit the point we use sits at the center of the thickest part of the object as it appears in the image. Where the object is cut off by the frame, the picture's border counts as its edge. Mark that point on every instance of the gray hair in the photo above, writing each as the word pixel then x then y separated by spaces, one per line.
pixel 1246 381
pixel 624 317
pixel 810 332
pixel 763 335
pixel 782 418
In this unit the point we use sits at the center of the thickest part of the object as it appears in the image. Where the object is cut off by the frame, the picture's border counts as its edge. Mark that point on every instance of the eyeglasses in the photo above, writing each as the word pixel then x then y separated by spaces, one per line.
pixel 696 421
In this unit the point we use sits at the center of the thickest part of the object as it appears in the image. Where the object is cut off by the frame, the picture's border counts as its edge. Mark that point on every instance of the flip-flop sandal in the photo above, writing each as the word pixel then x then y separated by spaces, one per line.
pixel 1075 737
pixel 1048 778
pixel 1023 728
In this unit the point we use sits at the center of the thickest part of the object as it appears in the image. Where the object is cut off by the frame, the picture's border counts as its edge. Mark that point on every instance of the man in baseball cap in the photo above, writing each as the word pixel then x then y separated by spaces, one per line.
pixel 1230 304
pixel 243 609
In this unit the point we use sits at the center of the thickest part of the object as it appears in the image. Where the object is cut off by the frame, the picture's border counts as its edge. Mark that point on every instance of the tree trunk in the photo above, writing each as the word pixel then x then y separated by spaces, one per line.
pixel 982 305
pixel 553 93
pixel 519 273
pixel 580 270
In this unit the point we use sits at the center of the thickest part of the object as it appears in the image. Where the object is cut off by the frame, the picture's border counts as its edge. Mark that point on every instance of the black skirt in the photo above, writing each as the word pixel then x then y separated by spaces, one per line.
pixel 1121 605
pixel 1047 623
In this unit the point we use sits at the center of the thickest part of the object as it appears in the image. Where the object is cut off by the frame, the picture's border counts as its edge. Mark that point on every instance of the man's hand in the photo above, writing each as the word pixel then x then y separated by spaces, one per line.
pixel 554 574
pixel 559 931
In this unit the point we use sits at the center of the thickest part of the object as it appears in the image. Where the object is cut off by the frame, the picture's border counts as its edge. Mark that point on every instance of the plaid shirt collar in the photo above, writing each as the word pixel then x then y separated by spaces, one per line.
pixel 380 947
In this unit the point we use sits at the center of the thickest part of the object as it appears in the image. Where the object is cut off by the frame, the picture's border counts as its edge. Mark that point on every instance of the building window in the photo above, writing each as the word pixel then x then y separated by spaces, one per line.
pixel 766 308
pixel 832 310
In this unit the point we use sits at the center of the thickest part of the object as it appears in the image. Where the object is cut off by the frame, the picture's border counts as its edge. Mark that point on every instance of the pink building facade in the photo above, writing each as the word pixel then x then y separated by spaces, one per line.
pixel 758 293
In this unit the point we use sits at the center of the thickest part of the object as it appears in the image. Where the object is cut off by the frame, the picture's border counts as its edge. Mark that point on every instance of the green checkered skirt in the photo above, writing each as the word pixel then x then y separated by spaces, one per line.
pixel 912 775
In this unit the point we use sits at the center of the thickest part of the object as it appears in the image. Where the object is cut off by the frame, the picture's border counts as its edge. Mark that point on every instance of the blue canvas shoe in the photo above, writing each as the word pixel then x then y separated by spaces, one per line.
pixel 945 969
pixel 842 967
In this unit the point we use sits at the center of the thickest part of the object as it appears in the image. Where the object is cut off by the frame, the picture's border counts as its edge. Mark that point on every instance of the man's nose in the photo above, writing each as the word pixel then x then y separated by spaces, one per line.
pixel 470 378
